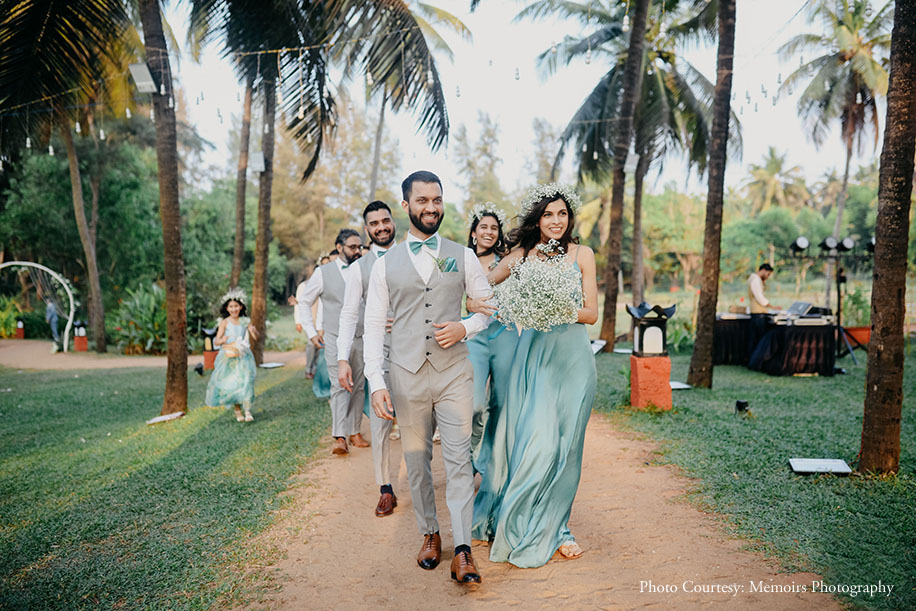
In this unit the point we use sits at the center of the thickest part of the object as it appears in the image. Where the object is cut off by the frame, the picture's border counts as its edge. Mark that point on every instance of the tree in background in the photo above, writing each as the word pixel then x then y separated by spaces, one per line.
pixel 880 449
pixel 477 163
pixel 772 183
pixel 701 365
pixel 845 80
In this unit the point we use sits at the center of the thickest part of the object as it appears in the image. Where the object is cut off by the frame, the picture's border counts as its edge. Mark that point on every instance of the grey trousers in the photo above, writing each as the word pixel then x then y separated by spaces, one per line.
pixel 311 358
pixel 446 398
pixel 378 427
pixel 346 408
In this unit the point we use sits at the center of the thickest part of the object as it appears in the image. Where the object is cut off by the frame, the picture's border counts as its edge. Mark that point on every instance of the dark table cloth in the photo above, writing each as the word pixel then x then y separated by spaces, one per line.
pixel 731 339
pixel 787 350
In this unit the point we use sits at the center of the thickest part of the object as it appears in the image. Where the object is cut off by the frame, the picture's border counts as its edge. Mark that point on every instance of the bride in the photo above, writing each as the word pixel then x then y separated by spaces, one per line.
pixel 535 461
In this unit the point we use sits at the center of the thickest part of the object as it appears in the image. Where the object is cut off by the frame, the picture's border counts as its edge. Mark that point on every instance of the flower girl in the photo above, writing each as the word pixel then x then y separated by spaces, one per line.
pixel 232 382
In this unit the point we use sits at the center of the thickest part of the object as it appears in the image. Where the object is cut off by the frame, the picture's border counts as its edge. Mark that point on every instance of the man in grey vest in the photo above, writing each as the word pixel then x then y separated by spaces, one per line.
pixel 380 229
pixel 422 282
pixel 328 284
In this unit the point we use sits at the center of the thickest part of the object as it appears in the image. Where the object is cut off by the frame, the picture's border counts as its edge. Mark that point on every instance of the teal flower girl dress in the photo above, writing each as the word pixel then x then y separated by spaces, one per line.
pixel 232 381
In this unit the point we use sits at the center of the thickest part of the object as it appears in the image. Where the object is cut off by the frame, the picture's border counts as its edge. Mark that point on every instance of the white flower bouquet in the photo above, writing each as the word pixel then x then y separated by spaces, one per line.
pixel 540 293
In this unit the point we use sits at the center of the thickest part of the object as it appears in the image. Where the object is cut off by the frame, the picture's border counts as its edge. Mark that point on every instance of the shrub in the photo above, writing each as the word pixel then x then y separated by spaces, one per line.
pixel 140 325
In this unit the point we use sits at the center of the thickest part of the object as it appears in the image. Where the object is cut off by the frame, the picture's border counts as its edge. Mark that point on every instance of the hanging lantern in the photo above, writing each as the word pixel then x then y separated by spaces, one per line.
pixel 625 26
pixel 127 113
pixel 77 128
pixel 101 134
pixel 517 75
pixel 50 150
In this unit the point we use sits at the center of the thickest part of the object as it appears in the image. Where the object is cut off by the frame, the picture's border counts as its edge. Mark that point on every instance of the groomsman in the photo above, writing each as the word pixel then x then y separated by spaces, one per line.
pixel 328 284
pixel 422 282
pixel 381 231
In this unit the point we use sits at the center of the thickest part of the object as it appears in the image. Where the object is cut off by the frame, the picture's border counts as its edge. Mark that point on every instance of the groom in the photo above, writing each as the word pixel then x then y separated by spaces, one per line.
pixel 422 282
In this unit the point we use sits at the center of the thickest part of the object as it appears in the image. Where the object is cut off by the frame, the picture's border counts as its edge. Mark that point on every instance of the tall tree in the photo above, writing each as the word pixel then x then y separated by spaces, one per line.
pixel 701 365
pixel 157 58
pixel 772 183
pixel 845 80
pixel 241 183
pixel 880 450
pixel 477 162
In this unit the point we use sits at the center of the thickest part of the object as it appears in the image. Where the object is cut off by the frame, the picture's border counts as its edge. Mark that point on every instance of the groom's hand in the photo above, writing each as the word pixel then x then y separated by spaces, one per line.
pixel 449 333
pixel 345 375
pixel 381 404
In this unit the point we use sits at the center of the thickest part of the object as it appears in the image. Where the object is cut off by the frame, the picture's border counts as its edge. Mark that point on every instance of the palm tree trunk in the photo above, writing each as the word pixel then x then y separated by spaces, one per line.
pixel 238 251
pixel 96 307
pixel 880 450
pixel 176 376
pixel 632 85
pixel 262 243
pixel 638 280
pixel 377 151
pixel 838 223
pixel 701 365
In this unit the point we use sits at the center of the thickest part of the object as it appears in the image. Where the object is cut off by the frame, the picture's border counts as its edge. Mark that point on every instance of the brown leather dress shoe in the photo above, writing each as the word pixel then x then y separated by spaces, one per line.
pixel 340 446
pixel 386 504
pixel 431 552
pixel 463 569
pixel 358 441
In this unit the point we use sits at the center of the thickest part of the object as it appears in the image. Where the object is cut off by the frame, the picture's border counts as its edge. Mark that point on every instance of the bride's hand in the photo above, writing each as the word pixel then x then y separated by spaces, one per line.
pixel 481 306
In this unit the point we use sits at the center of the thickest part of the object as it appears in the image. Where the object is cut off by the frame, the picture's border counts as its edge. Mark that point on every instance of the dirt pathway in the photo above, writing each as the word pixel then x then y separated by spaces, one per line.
pixel 628 517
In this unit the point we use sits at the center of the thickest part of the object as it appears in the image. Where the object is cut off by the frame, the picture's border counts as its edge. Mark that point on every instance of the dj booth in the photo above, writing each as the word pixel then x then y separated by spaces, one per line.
pixel 800 340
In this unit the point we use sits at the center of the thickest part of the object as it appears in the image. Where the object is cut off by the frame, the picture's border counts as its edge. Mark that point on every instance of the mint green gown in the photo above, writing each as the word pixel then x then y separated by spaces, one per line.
pixel 536 440
pixel 321 384
pixel 232 381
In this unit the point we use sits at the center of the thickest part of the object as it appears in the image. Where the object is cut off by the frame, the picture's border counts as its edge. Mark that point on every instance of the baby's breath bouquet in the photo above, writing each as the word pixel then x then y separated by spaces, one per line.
pixel 540 292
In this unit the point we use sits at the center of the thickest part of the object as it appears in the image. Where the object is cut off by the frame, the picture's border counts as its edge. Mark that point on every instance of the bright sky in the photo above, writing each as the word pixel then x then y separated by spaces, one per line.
pixel 484 71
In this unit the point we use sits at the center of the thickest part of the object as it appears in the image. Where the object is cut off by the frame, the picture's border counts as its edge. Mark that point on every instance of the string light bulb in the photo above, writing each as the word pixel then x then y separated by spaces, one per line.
pixel 595 155
pixel 517 74
pixel 308 137
pixel 101 134
pixel 457 91
pixel 301 114
pixel 152 113
pixel 429 77
pixel 77 128
pixel 162 88
pixel 171 102
pixel 553 49
pixel 28 142
pixel 369 80
pixel 584 147
pixel 50 150
pixel 588 56
pixel 662 29
pixel 625 25
pixel 127 113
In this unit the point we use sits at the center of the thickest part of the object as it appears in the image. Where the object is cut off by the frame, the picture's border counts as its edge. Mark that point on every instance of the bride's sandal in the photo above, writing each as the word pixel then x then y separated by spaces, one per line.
pixel 570 550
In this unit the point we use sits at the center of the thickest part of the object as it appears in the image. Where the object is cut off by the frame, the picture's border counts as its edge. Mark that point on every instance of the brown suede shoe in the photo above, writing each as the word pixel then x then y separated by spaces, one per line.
pixel 340 446
pixel 463 569
pixel 357 441
pixel 386 504
pixel 431 552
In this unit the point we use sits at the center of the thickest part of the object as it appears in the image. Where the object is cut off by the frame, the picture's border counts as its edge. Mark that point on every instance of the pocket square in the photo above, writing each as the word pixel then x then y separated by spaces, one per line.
pixel 450 265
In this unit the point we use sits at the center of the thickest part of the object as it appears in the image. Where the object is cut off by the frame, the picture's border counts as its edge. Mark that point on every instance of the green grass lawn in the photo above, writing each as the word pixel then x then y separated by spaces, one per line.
pixel 99 510
pixel 851 530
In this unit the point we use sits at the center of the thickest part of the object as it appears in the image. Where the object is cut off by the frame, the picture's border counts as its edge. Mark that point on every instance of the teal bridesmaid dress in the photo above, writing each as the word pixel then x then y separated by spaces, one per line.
pixel 232 381
pixel 321 384
pixel 535 445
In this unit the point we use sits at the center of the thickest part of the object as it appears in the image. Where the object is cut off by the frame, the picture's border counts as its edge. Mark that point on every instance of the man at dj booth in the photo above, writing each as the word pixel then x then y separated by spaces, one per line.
pixel 760 305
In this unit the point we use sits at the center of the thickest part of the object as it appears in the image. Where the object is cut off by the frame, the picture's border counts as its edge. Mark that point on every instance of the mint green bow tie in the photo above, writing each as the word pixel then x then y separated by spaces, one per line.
pixel 344 266
pixel 380 253
pixel 430 243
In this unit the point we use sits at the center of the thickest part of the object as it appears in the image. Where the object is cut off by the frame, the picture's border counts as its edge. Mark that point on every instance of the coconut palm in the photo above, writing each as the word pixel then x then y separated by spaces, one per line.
pixel 844 80
pixel 880 447
pixel 772 183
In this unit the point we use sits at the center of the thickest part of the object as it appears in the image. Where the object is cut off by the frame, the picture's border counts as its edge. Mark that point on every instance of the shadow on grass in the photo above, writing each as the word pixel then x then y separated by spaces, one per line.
pixel 153 519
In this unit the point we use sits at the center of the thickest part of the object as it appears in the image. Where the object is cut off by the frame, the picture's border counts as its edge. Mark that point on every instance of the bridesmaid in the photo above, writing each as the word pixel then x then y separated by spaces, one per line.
pixel 532 474
pixel 490 351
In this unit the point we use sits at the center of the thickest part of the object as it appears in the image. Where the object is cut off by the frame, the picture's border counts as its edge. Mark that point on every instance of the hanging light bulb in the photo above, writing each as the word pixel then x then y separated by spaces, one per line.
pixel 779 78
pixel 662 29
pixel 301 114
pixel 429 77
pixel 755 106
pixel 280 96
pixel 238 96
pixel 50 150
pixel 625 26
pixel 741 111
pixel 28 142
pixel 162 88
pixel 201 96
pixel 266 127
pixel 588 56
pixel 369 80
pixel 584 147
pixel 801 61
pixel 308 137
pixel 77 128
pixel 152 113
pixel 457 91
pixel 553 49
pixel 171 102
pixel 774 100
pixel 517 75
pixel 127 113
pixel 595 155
pixel 101 134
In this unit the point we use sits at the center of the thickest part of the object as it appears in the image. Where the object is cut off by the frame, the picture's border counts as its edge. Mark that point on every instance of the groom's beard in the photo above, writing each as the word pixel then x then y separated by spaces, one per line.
pixel 383 237
pixel 425 228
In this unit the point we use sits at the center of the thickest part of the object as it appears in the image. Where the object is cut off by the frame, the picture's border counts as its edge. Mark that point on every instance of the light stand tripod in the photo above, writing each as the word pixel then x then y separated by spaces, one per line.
pixel 841 332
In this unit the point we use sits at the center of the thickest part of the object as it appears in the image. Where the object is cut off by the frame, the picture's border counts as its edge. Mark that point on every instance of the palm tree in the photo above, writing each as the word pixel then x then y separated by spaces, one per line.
pixel 880 449
pixel 772 183
pixel 701 365
pixel 428 17
pixel 65 67
pixel 845 79
pixel 673 113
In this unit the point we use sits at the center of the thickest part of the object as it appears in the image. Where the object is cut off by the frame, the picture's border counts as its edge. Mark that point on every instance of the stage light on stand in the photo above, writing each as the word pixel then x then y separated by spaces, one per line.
pixel 870 245
pixel 800 244
pixel 846 244
pixel 741 407
pixel 828 243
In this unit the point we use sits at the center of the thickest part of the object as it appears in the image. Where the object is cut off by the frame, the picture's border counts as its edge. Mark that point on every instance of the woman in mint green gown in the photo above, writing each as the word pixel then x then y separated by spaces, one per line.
pixel 490 351
pixel 232 381
pixel 532 473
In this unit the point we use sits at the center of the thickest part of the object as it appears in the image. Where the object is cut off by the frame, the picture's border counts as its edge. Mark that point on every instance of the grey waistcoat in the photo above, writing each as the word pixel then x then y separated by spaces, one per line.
pixel 416 306
pixel 332 296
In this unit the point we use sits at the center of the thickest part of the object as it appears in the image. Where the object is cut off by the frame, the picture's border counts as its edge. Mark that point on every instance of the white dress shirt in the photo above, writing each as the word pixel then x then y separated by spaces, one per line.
pixel 349 313
pixel 309 294
pixel 377 302
pixel 755 286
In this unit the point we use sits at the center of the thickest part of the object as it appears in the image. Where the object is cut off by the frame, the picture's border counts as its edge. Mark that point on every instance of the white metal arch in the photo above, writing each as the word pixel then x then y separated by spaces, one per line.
pixel 61 281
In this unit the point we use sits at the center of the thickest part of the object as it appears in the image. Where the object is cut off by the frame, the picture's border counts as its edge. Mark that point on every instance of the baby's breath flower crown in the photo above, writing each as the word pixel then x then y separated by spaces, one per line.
pixel 553 189
pixel 234 295
pixel 487 209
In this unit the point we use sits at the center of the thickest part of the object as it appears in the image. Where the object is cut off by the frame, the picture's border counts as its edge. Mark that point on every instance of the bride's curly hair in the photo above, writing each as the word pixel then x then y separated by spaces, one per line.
pixel 528 232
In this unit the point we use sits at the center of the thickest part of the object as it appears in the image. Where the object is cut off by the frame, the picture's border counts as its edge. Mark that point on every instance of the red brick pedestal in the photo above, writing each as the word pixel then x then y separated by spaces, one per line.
pixel 20 333
pixel 81 343
pixel 650 378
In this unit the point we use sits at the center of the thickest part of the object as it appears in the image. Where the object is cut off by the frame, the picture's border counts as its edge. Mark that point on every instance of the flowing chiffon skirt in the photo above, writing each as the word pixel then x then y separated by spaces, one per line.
pixel 531 474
